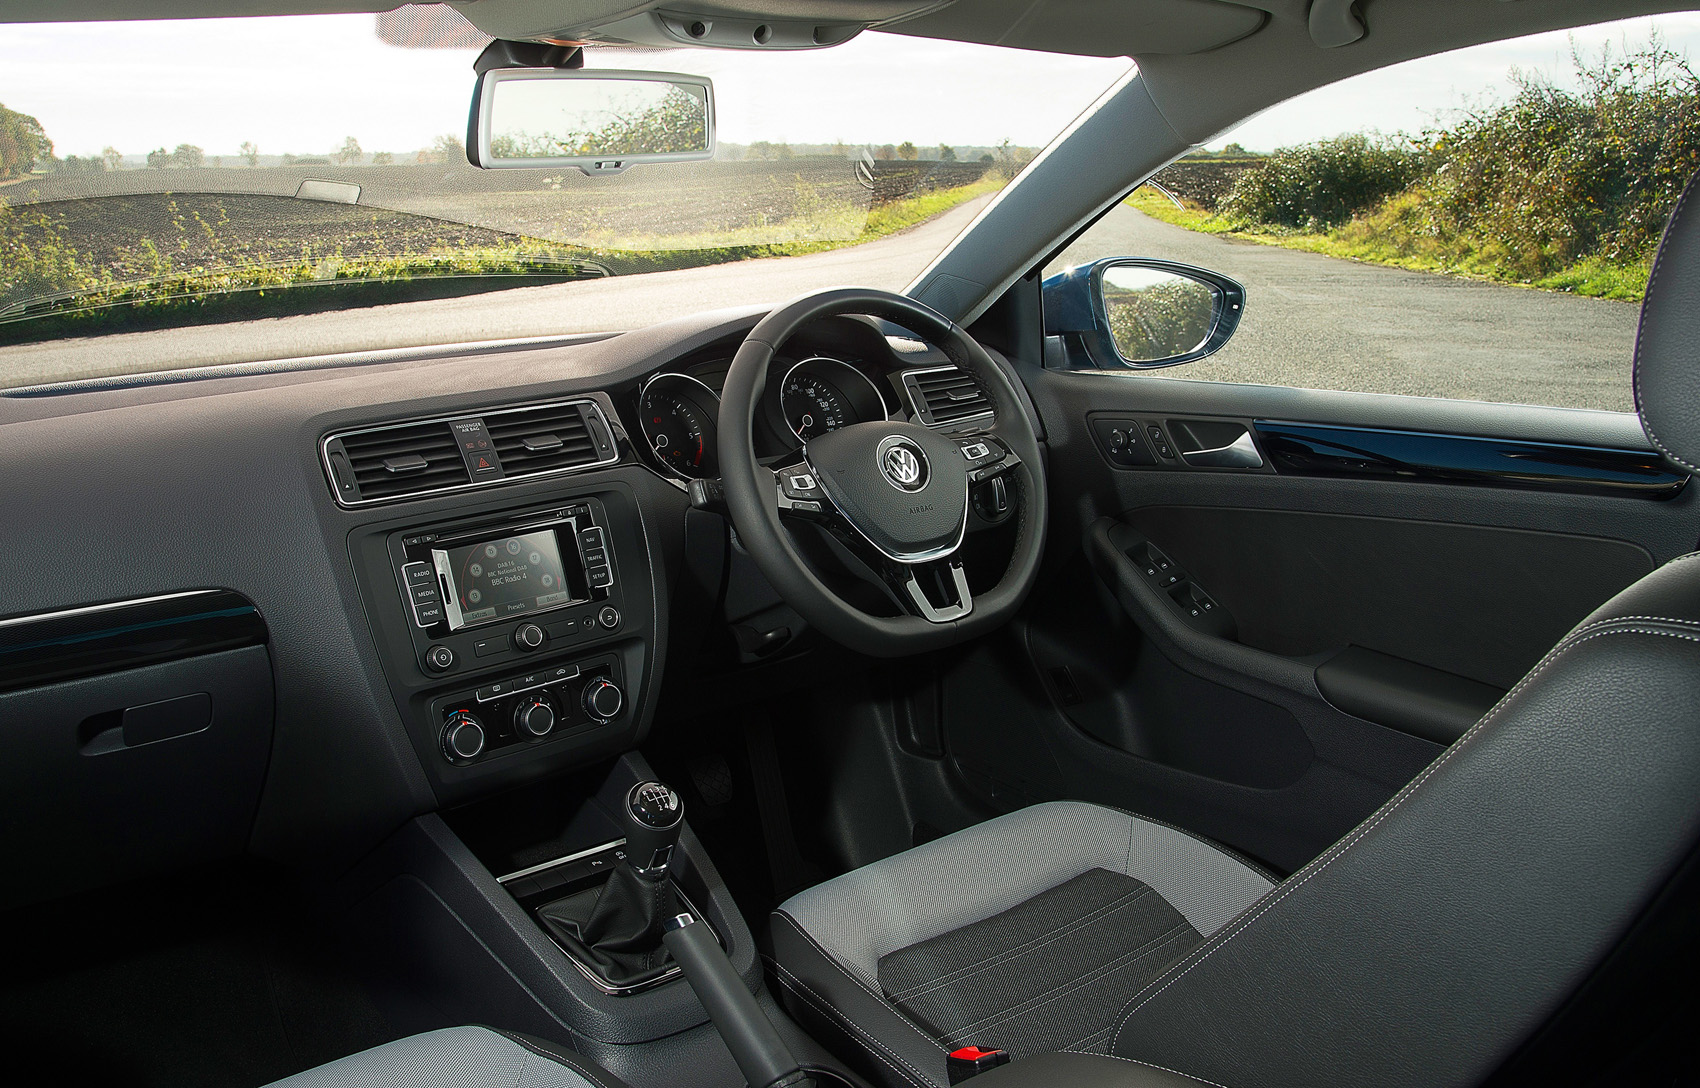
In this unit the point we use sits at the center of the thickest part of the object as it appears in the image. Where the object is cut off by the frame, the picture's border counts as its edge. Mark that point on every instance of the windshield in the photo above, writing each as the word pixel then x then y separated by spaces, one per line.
pixel 162 181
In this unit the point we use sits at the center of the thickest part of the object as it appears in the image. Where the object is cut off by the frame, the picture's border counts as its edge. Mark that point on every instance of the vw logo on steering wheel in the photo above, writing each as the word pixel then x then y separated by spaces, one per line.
pixel 903 463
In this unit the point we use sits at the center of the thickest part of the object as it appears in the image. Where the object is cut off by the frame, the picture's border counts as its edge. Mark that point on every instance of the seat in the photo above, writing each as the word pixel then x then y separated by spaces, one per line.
pixel 465 1057
pixel 1493 920
pixel 1028 932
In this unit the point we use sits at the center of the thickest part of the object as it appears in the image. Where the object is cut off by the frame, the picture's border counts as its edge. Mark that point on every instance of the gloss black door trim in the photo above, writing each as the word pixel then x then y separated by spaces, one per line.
pixel 1314 449
pixel 49 647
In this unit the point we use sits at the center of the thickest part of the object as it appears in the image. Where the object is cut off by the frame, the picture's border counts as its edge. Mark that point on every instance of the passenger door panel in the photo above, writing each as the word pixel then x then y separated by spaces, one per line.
pixel 1361 615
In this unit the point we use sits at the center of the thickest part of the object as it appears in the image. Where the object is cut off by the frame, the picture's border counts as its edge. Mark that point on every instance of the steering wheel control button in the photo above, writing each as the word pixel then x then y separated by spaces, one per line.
pixel 904 463
pixel 439 659
pixel 976 451
pixel 609 617
pixel 463 737
pixel 529 637
pixel 799 483
pixel 534 717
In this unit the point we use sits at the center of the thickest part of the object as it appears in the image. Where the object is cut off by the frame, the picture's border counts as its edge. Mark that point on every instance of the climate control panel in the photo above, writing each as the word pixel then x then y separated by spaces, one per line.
pixel 559 700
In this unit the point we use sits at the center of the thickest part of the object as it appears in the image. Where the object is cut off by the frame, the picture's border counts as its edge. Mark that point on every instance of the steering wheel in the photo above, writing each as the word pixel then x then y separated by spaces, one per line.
pixel 895 494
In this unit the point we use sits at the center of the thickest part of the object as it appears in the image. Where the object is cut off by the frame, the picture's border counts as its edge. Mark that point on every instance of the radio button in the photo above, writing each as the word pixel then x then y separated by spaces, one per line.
pixel 529 637
pixel 439 659
pixel 609 616
pixel 484 647
pixel 419 574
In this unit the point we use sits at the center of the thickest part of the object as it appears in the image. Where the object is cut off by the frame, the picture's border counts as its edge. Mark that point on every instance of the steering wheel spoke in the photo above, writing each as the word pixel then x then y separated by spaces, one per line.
pixel 937 591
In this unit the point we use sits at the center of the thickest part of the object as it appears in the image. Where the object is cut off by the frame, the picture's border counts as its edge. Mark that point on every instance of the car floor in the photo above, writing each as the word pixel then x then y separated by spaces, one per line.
pixel 214 979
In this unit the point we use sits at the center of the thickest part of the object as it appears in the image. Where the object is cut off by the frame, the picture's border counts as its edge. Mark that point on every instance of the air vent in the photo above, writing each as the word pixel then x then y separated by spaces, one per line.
pixel 534 440
pixel 393 461
pixel 422 457
pixel 945 395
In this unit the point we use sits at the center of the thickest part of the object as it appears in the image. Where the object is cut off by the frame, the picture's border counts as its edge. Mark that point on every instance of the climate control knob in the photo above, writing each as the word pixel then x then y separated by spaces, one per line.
pixel 463 736
pixel 603 698
pixel 534 717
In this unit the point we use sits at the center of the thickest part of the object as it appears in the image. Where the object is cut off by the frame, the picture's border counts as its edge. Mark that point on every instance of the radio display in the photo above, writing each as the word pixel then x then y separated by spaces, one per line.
pixel 507 576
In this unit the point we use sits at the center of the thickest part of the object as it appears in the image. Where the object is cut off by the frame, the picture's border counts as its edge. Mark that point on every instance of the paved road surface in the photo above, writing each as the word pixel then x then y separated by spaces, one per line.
pixel 1310 320
pixel 1331 324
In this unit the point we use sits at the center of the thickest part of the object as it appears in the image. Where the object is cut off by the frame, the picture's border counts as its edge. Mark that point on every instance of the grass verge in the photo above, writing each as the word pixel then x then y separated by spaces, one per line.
pixel 74 294
pixel 1384 236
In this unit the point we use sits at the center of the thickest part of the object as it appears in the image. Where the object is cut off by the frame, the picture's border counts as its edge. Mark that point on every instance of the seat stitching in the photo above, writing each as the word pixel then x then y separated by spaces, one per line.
pixel 1125 899
pixel 1075 1046
pixel 879 999
pixel 840 968
pixel 897 1062
pixel 1063 989
pixel 587 1073
pixel 1149 1065
pixel 1298 880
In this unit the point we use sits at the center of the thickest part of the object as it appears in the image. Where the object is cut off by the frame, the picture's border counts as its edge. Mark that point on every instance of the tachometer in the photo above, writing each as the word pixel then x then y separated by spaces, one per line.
pixel 821 394
pixel 678 414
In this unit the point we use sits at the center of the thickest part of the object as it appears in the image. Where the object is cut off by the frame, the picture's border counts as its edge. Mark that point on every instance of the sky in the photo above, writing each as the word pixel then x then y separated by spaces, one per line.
pixel 302 84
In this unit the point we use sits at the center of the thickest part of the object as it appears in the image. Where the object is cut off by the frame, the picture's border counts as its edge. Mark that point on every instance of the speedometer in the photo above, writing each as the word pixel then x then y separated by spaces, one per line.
pixel 812 407
pixel 821 394
pixel 678 414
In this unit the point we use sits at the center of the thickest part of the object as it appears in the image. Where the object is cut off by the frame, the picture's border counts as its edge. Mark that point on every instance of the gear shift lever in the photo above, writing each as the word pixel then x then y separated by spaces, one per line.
pixel 654 816
pixel 615 930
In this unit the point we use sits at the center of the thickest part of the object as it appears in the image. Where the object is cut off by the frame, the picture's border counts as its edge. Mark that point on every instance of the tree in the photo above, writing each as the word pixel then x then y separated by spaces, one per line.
pixel 907 151
pixel 250 151
pixel 382 158
pixel 886 153
pixel 23 143
pixel 987 157
pixel 159 158
pixel 447 148
pixel 112 157
pixel 947 153
pixel 349 152
pixel 187 155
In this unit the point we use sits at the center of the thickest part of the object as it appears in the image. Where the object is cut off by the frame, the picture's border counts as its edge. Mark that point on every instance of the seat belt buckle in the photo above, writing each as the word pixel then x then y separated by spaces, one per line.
pixel 971 1061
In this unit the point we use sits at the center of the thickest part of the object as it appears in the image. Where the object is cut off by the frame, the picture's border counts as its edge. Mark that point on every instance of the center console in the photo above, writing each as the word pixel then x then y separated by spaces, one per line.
pixel 516 640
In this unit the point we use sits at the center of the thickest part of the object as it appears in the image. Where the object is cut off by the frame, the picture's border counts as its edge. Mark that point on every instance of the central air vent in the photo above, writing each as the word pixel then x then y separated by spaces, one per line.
pixel 945 395
pixel 401 460
pixel 422 457
pixel 535 440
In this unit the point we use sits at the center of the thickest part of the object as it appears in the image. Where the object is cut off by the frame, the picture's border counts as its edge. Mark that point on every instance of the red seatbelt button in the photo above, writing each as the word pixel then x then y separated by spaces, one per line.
pixel 971 1061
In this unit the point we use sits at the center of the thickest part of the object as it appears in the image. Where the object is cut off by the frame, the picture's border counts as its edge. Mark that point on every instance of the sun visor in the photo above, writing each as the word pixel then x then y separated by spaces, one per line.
pixel 1098 28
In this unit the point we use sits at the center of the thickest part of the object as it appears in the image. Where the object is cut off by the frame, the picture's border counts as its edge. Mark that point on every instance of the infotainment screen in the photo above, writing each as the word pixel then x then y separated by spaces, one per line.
pixel 506 576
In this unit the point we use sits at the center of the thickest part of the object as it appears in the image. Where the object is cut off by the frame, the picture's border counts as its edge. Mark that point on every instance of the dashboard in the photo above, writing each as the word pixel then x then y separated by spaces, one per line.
pixel 328 598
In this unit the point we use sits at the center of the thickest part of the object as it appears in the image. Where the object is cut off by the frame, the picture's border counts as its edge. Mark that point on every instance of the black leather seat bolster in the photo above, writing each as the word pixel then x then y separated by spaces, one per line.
pixel 855 1022
pixel 1429 943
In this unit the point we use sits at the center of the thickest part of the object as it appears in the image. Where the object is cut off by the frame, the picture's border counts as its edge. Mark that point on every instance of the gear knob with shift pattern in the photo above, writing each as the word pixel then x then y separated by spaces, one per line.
pixel 654 816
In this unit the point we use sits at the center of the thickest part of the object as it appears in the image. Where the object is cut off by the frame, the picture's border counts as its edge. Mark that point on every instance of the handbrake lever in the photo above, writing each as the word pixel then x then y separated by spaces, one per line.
pixel 762 1056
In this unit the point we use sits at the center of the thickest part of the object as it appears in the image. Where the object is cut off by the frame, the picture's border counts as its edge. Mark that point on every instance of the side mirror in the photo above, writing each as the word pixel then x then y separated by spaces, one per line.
pixel 1143 313
pixel 601 121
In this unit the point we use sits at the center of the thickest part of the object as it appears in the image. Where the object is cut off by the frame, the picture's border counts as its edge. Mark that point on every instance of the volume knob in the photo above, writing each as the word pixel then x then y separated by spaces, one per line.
pixel 463 736
pixel 603 698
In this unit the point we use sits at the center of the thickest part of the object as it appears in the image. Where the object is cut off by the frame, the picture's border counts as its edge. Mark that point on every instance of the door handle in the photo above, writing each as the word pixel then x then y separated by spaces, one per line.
pixel 1240 453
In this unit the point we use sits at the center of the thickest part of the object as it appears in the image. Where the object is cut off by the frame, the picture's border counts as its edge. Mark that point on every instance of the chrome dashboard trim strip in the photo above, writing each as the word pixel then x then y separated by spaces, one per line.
pixel 547 865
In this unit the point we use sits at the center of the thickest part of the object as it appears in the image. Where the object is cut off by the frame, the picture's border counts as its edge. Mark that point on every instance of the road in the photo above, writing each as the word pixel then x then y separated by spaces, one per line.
pixel 1328 323
pixel 623 302
pixel 1310 320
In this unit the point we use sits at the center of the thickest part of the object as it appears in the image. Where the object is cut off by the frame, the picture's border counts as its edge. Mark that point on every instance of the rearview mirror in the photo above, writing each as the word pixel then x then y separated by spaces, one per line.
pixel 1143 313
pixel 599 121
